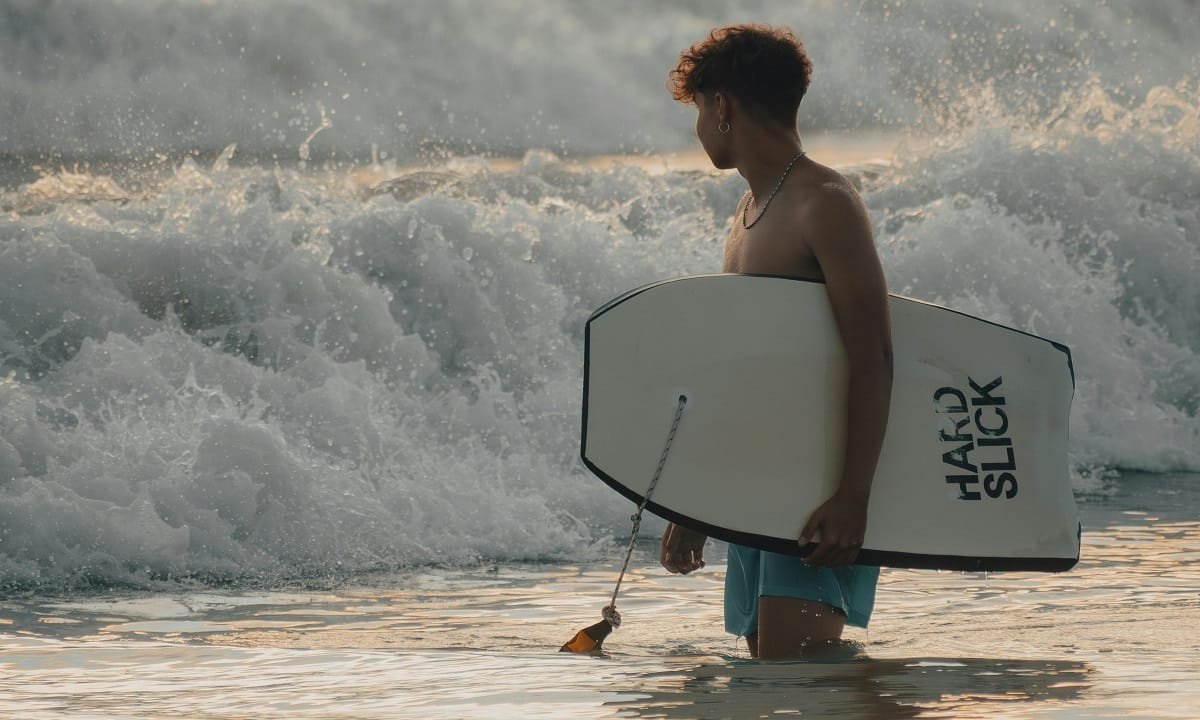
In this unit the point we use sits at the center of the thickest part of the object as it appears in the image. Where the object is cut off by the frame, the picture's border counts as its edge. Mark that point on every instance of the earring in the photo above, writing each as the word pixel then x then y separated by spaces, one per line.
pixel 723 128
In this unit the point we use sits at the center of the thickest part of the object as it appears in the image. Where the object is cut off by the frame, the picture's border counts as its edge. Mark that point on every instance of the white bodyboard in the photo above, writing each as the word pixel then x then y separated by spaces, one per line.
pixel 973 471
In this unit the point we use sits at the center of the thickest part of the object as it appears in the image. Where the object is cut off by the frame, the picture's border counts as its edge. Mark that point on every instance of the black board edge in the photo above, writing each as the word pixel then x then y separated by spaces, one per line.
pixel 868 556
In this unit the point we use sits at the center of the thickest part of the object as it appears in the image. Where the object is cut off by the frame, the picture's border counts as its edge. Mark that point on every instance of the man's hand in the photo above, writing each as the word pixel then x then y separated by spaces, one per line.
pixel 682 550
pixel 841 522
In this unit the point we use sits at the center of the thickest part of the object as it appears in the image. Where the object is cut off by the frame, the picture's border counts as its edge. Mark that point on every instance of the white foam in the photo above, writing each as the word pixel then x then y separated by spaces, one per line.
pixel 258 374
pixel 264 373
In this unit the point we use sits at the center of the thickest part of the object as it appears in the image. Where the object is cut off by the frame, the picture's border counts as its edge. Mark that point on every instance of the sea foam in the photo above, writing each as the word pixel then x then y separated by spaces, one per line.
pixel 252 372
pixel 256 371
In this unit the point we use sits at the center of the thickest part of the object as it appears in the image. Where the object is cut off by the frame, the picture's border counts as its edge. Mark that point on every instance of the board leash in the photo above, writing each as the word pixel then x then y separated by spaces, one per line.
pixel 590 638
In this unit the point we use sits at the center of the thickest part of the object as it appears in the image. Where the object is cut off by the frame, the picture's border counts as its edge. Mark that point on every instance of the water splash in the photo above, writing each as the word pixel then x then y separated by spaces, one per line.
pixel 110 79
pixel 254 374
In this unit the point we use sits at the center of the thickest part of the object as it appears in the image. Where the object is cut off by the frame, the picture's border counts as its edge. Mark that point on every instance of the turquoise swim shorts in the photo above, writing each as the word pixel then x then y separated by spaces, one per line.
pixel 756 573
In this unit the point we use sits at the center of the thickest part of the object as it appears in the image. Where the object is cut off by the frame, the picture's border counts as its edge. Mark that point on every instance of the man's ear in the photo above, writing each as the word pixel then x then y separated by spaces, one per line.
pixel 729 109
pixel 724 107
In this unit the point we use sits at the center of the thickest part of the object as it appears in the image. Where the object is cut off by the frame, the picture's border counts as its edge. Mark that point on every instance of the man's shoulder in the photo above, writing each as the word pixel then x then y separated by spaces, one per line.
pixel 828 195
pixel 824 184
pixel 830 211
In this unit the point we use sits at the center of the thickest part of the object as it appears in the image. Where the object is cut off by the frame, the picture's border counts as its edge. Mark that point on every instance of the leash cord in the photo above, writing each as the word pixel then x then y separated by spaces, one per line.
pixel 610 611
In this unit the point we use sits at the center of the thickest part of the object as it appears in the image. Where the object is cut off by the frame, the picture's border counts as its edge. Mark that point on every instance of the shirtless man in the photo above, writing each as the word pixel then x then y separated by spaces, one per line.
pixel 799 219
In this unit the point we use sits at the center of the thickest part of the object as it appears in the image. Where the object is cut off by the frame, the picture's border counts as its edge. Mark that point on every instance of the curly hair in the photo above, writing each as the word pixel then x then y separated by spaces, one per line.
pixel 764 67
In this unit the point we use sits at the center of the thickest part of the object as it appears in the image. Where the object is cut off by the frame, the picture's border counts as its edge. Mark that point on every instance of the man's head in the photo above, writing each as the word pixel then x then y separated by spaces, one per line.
pixel 766 69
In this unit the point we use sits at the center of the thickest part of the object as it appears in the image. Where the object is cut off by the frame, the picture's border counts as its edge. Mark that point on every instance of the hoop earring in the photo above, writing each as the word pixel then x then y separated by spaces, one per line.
pixel 723 128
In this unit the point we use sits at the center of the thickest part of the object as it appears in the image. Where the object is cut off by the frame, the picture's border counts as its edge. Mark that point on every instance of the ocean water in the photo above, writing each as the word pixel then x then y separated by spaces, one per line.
pixel 291 311
pixel 1110 639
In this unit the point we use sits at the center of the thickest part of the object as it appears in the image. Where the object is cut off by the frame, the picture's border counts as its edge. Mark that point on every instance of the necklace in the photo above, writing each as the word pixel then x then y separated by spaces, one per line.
pixel 766 204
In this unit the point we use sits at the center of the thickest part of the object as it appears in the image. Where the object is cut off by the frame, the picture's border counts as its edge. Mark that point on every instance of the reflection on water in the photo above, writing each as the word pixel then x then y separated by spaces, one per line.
pixel 862 688
pixel 1114 637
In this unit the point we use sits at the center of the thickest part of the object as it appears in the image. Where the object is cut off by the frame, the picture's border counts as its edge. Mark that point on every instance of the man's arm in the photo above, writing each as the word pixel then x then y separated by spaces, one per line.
pixel 838 231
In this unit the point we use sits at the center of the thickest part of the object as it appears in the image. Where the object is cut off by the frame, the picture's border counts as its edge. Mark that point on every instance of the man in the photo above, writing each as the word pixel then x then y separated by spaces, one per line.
pixel 804 220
